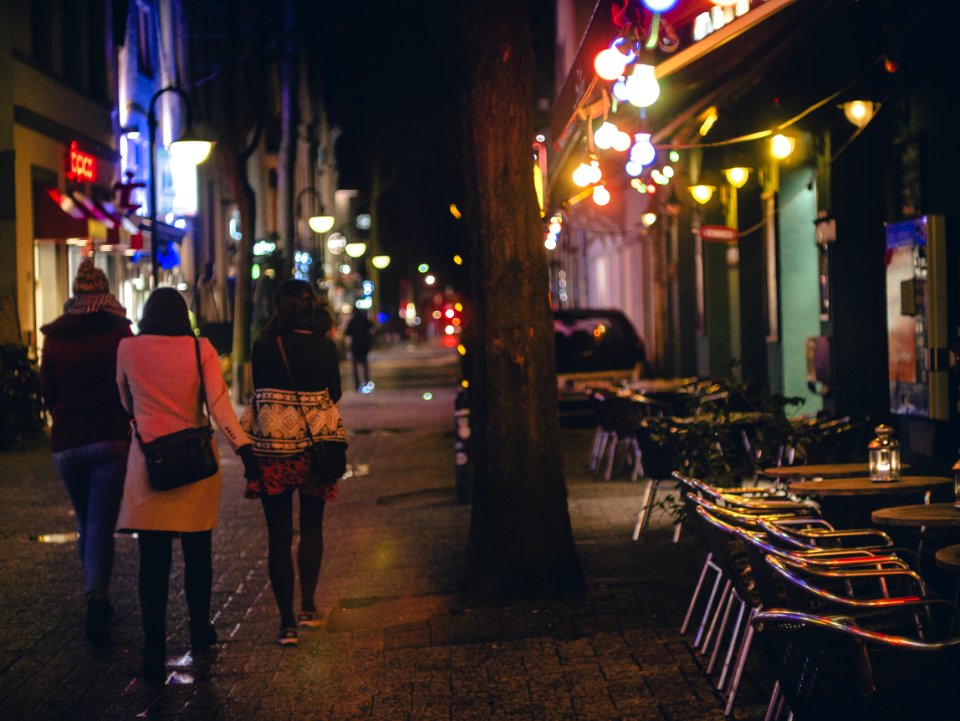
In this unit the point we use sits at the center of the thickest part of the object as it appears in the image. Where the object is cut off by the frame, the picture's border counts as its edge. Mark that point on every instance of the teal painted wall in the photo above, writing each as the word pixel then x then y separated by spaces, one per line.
pixel 799 304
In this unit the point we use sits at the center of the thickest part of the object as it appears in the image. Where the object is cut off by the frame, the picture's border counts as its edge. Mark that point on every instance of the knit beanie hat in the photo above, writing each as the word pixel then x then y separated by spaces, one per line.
pixel 90 279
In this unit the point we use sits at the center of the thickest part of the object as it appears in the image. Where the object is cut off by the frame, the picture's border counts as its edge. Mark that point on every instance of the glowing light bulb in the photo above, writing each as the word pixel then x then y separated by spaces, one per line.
pixel 648 219
pixel 660 6
pixel 737 177
pixel 610 63
pixel 643 151
pixel 601 196
pixel 633 168
pixel 620 90
pixel 781 146
pixel 621 141
pixel 594 173
pixel 702 193
pixel 605 135
pixel 550 243
pixel 581 175
pixel 642 86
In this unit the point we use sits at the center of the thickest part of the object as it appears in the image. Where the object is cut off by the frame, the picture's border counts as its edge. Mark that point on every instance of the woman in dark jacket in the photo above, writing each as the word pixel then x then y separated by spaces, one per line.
pixel 280 442
pixel 91 431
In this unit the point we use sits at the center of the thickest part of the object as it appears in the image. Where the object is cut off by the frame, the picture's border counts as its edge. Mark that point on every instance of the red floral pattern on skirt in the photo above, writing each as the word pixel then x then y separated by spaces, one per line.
pixel 281 474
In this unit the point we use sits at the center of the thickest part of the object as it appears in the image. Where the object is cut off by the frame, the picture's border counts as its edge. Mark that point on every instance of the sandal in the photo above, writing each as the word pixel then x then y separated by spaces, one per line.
pixel 310 619
pixel 288 637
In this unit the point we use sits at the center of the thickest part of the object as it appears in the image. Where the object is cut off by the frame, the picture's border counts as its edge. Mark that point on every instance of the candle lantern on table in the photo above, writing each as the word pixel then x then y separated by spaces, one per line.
pixel 883 455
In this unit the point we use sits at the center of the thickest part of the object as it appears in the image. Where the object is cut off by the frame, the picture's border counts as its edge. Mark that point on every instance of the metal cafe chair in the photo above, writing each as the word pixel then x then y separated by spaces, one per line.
pixel 751 583
pixel 617 419
pixel 832 669
pixel 711 577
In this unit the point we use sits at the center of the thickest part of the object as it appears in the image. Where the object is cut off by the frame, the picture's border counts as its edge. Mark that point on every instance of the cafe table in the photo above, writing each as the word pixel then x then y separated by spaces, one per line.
pixel 819 470
pixel 848 502
pixel 943 518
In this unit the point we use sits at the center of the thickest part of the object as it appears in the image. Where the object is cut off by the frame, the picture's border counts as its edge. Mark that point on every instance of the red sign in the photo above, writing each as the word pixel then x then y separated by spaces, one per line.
pixel 81 166
pixel 718 234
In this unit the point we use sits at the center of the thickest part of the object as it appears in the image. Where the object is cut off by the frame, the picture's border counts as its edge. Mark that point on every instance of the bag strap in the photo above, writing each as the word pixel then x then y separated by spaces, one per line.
pixel 203 393
pixel 293 384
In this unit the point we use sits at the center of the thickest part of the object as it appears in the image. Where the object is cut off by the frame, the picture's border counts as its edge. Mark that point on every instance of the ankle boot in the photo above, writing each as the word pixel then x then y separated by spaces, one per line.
pixel 202 638
pixel 98 619
pixel 154 668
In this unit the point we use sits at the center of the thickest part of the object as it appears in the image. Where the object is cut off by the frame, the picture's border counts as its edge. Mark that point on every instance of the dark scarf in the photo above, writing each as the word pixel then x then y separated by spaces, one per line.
pixel 165 313
pixel 84 303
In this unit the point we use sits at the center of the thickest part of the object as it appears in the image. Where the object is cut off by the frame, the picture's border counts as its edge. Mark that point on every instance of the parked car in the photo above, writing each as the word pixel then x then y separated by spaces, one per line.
pixel 595 348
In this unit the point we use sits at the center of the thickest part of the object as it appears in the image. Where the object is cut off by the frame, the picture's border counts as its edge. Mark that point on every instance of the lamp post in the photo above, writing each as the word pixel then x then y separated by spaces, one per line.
pixel 197 149
pixel 318 223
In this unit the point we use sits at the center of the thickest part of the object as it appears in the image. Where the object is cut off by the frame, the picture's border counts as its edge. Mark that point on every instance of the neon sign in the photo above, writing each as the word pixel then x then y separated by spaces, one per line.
pixel 82 166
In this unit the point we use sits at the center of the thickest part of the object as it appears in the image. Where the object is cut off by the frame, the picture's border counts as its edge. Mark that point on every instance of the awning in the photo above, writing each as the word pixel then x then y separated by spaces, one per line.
pixel 166 233
pixel 57 216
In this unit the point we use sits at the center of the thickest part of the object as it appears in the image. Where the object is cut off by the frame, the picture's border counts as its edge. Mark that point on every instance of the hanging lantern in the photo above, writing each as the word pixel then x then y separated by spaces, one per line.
pixel 883 455
pixel 601 196
pixel 642 86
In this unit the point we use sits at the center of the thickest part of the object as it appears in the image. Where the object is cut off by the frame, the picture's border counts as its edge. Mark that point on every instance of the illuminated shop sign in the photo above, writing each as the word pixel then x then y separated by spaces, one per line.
pixel 720 15
pixel 81 166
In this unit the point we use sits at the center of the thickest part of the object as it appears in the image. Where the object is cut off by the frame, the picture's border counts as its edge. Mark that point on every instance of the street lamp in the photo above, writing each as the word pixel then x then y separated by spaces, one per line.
pixel 192 148
pixel 320 223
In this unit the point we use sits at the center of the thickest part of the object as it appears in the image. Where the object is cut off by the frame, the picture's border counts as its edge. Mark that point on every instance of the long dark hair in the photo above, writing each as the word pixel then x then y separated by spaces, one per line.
pixel 165 313
pixel 296 306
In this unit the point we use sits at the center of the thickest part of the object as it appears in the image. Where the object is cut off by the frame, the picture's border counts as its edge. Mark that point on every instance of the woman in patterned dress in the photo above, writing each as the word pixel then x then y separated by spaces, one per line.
pixel 283 398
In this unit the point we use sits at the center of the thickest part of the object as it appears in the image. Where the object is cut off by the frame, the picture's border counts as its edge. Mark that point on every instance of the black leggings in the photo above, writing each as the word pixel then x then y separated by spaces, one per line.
pixel 155 557
pixel 278 510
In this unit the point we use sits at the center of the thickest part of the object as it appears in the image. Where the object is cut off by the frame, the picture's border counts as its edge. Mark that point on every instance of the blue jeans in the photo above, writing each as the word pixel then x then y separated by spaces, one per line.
pixel 93 475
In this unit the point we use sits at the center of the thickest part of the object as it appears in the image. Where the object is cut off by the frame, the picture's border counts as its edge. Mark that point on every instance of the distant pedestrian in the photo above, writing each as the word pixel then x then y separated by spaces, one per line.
pixel 307 385
pixel 359 331
pixel 90 435
pixel 160 386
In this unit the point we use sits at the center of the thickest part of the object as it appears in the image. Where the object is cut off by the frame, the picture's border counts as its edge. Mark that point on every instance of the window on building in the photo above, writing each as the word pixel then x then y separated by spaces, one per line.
pixel 97 18
pixel 73 60
pixel 41 32
pixel 144 40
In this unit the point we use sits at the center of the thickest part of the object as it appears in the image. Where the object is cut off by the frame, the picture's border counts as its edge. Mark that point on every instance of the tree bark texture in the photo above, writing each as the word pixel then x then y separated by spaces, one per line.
pixel 521 541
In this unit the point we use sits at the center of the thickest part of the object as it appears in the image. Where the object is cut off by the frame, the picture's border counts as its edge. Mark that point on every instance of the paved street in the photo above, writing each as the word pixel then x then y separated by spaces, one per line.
pixel 399 642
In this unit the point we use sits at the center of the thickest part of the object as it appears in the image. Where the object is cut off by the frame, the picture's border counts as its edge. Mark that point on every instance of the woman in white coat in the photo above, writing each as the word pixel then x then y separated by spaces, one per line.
pixel 160 387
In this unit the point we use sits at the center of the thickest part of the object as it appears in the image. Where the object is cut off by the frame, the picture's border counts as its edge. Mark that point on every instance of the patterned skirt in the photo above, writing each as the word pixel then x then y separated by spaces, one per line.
pixel 289 472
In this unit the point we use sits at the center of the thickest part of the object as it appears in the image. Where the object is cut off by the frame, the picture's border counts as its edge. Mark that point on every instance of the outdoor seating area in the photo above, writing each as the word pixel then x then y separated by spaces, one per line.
pixel 838 584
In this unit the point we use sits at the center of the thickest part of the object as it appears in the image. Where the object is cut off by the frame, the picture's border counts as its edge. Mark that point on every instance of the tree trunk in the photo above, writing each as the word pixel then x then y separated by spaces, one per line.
pixel 289 123
pixel 521 541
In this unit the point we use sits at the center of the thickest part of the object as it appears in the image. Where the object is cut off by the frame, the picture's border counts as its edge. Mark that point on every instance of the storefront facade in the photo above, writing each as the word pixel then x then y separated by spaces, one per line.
pixel 786 273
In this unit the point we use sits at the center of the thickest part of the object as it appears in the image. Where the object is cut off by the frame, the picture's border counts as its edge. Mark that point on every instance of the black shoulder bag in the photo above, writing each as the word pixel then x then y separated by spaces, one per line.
pixel 328 458
pixel 181 458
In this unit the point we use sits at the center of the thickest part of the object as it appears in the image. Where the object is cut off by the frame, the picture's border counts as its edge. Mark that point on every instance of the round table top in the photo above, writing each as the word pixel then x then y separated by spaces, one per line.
pixel 863 486
pixel 933 514
pixel 948 558
pixel 823 470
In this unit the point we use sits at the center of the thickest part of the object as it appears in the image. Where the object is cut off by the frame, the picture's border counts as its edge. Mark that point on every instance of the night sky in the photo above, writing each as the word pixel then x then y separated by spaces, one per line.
pixel 393 76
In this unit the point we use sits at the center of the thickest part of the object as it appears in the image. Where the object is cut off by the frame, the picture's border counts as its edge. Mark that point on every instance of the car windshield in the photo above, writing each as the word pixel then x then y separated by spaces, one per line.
pixel 595 342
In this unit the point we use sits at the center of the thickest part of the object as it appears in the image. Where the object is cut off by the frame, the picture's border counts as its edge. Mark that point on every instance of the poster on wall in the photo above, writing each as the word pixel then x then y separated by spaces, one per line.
pixel 906 275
